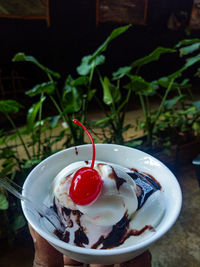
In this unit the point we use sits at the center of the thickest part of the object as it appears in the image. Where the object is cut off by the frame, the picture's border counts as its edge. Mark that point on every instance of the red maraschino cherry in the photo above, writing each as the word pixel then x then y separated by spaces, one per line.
pixel 87 183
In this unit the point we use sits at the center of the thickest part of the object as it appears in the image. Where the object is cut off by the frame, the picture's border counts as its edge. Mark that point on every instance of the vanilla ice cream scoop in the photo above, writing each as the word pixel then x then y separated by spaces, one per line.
pixel 128 208
pixel 117 197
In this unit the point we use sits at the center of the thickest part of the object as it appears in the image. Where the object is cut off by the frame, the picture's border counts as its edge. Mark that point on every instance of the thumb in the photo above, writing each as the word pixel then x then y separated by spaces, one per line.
pixel 45 254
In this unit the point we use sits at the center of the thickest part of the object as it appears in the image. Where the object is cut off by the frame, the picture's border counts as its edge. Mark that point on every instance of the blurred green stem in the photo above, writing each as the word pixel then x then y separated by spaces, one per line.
pixel 19 135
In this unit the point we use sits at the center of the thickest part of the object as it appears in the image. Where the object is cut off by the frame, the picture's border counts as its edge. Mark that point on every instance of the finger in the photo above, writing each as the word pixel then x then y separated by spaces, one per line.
pixel 45 254
pixel 70 262
pixel 143 260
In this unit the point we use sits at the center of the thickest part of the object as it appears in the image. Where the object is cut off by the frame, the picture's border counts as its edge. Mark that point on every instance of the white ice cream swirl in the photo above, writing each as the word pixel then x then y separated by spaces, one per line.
pixel 117 197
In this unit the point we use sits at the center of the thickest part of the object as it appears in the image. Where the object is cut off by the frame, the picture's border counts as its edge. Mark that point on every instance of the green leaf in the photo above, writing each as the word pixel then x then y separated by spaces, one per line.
pixel 3 202
pixel 30 163
pixel 196 128
pixel 183 84
pixel 153 56
pixel 140 86
pixel 121 72
pixel 171 102
pixel 189 111
pixel 45 88
pixel 175 75
pixel 187 42
pixel 91 94
pixel 189 49
pixel 7 169
pixel 191 61
pixel 196 104
pixel 18 223
pixel 9 106
pixel 116 94
pixel 80 81
pixel 133 143
pixel 91 61
pixel 111 93
pixel 72 96
pixel 32 113
pixel 87 64
pixel 2 140
pixel 103 122
pixel 114 34
pixel 197 74
pixel 22 57
pixel 39 123
pixel 107 95
pixel 6 153
pixel 165 81
pixel 54 121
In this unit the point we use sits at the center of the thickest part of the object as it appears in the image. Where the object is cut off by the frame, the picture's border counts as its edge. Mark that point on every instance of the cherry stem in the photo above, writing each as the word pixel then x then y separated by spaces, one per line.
pixel 93 146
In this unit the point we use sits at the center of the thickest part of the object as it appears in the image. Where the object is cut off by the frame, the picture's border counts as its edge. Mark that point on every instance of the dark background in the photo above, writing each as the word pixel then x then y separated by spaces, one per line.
pixel 73 33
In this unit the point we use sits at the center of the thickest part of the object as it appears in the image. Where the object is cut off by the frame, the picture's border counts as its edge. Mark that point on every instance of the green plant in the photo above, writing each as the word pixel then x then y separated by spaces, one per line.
pixel 8 108
pixel 179 115
pixel 72 101
pixel 15 166
pixel 168 84
pixel 114 117
pixel 37 139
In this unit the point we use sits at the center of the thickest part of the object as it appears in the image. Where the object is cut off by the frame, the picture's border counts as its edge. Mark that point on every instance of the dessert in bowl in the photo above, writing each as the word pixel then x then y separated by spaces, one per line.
pixel 149 220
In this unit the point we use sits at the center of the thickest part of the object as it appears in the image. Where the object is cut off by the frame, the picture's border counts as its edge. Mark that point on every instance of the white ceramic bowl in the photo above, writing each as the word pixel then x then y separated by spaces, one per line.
pixel 38 182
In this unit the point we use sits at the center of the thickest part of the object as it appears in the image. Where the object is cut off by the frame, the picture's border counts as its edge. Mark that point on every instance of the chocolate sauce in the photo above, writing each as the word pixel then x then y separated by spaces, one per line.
pixel 76 150
pixel 120 232
pixel 64 236
pixel 70 224
pixel 40 215
pixel 54 206
pixel 115 237
pixel 66 211
pixel 80 238
pixel 59 234
pixel 78 214
pixel 139 232
pixel 118 180
pixel 147 185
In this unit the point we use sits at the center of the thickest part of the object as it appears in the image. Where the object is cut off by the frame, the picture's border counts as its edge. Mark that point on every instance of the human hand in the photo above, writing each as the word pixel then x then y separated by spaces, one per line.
pixel 47 256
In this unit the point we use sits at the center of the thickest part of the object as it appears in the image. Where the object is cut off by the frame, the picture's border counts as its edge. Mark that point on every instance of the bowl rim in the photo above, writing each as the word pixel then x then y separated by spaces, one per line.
pixel 114 251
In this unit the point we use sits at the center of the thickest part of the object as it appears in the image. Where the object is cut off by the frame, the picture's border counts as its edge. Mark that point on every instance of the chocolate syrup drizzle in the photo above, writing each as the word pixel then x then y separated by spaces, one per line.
pixel 76 150
pixel 118 180
pixel 119 234
pixel 80 235
pixel 146 184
